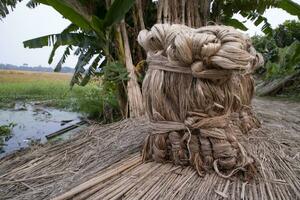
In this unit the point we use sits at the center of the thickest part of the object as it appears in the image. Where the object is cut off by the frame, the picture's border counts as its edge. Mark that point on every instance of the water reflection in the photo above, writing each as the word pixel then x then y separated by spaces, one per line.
pixel 33 123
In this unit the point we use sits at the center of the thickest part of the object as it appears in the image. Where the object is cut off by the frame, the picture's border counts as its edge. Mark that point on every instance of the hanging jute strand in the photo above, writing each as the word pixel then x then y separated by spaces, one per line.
pixel 197 94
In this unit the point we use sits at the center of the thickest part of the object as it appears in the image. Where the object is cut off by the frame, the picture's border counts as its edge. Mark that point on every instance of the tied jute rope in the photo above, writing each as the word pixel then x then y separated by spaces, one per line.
pixel 197 94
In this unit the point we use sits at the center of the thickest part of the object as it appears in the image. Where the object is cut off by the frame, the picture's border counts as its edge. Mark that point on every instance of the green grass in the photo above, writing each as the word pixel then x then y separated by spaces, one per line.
pixel 34 90
pixel 54 89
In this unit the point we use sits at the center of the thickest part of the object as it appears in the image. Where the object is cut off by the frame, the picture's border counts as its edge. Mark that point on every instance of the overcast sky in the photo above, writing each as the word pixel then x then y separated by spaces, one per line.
pixel 25 23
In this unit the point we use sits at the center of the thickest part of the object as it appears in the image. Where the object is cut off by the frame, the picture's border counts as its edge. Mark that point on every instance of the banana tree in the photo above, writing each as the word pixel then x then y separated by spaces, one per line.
pixel 92 33
pixel 87 46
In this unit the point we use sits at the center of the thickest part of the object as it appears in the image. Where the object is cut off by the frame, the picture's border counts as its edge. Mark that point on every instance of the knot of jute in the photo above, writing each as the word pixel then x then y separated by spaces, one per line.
pixel 197 94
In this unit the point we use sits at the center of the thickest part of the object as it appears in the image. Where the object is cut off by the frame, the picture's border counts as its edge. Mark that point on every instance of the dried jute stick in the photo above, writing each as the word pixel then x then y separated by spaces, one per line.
pixel 33 178
pixel 102 177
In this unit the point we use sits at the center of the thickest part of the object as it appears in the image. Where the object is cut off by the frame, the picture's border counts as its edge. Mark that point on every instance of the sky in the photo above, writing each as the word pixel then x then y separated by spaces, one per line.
pixel 24 23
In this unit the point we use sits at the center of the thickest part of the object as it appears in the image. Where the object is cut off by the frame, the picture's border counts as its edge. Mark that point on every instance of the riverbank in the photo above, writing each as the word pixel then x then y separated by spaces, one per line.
pixel 51 89
pixel 30 123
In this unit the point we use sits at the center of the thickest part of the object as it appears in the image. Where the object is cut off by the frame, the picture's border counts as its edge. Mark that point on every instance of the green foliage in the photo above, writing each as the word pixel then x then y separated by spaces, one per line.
pixel 290 6
pixel 267 46
pixel 5 133
pixel 88 46
pixel 101 27
pixel 287 33
pixel 39 90
pixel 100 103
pixel 293 26
pixel 258 19
pixel 5 130
pixel 280 50
pixel 288 62
pixel 91 70
pixel 88 100
pixel 32 4
pixel 69 11
pixel 115 72
pixel 66 53
pixel 71 36
pixel 91 100
pixel 235 23
pixel 5 5
pixel 76 39
pixel 252 10
pixel 117 12
pixel 89 33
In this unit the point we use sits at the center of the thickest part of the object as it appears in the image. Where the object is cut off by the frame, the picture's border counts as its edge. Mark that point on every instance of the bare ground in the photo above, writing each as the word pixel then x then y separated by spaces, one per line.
pixel 104 163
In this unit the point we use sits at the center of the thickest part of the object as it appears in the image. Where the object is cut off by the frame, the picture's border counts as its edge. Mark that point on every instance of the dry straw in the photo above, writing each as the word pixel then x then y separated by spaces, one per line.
pixel 197 93
pixel 90 165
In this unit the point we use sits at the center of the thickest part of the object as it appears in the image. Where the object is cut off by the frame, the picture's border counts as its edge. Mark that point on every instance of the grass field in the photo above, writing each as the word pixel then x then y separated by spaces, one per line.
pixel 19 85
pixel 54 87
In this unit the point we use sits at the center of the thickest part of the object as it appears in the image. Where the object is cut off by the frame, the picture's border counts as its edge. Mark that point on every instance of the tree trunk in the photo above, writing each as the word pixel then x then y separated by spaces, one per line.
pixel 193 13
pixel 274 86
pixel 133 88
pixel 140 13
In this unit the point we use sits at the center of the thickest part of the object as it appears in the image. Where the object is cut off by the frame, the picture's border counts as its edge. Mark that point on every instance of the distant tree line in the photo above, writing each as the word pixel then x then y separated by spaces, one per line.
pixel 37 68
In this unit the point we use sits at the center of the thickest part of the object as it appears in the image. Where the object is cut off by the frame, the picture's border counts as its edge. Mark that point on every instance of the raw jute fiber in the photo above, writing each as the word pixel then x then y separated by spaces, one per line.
pixel 197 94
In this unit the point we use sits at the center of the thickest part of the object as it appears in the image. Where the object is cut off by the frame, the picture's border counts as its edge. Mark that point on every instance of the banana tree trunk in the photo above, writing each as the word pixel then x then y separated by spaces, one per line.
pixel 133 89
pixel 140 13
pixel 193 13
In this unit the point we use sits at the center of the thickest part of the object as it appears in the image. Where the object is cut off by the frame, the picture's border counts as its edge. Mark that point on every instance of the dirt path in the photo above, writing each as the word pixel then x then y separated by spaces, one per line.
pixel 282 120
pixel 53 170
pixel 278 113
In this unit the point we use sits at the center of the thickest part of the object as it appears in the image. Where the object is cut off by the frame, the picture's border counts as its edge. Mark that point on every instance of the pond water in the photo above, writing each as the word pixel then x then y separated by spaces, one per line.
pixel 32 123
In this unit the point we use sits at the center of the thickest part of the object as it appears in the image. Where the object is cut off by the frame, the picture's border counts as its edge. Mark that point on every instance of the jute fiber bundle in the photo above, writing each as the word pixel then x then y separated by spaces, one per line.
pixel 197 94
